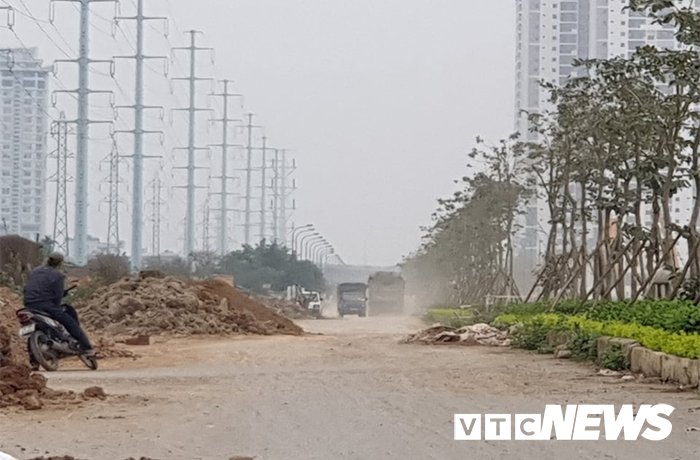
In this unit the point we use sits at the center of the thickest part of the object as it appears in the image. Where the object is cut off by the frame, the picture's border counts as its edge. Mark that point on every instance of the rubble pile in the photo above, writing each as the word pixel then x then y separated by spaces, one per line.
pixel 477 334
pixel 19 386
pixel 107 348
pixel 156 306
pixel 286 308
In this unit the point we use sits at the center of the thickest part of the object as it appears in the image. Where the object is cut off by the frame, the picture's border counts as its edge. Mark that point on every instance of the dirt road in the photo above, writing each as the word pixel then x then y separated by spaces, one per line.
pixel 352 393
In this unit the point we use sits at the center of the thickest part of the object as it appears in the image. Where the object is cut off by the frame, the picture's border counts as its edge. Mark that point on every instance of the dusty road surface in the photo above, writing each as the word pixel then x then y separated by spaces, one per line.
pixel 351 393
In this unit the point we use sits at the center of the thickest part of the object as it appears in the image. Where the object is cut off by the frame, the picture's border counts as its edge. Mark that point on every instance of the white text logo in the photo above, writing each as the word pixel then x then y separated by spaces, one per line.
pixel 569 423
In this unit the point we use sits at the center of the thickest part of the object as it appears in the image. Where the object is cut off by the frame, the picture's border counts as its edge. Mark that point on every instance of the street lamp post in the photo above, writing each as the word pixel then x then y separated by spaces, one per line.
pixel 331 252
pixel 297 232
pixel 311 247
pixel 317 252
pixel 302 243
pixel 325 252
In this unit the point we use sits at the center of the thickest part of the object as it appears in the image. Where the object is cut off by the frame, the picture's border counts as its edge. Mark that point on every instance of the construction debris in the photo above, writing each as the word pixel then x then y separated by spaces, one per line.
pixel 95 392
pixel 19 386
pixel 107 348
pixel 286 308
pixel 477 334
pixel 156 306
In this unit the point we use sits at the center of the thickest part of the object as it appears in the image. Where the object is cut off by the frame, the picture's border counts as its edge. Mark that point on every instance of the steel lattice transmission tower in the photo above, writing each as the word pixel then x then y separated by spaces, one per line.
pixel 263 190
pixel 137 208
pixel 82 123
pixel 113 201
pixel 192 110
pixel 284 193
pixel 225 147
pixel 249 178
pixel 59 130
pixel 156 216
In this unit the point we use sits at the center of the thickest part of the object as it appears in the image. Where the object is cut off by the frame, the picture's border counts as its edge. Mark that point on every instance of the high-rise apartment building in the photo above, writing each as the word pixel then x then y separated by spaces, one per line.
pixel 551 35
pixel 23 142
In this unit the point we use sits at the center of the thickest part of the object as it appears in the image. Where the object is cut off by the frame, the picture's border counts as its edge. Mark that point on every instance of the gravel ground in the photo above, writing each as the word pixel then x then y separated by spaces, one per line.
pixel 352 393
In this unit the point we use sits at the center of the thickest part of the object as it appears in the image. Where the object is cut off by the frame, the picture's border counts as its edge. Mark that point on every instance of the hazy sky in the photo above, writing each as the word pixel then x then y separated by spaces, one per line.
pixel 379 99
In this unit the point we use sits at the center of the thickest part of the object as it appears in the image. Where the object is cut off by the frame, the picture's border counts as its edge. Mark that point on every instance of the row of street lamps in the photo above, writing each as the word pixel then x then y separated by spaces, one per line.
pixel 309 244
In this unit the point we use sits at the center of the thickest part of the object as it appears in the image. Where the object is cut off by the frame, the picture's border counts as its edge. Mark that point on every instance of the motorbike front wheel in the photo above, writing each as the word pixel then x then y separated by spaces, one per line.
pixel 40 350
pixel 89 361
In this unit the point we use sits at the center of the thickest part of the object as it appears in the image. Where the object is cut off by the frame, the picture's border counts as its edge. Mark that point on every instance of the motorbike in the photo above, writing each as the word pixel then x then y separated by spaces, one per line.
pixel 48 341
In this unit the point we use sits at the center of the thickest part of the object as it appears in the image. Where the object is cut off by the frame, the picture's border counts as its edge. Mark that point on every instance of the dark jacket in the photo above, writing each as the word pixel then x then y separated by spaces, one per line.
pixel 44 289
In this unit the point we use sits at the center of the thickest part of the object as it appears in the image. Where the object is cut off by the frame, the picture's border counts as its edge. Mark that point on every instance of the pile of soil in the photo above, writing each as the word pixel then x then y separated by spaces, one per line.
pixel 477 334
pixel 286 308
pixel 157 306
pixel 11 346
pixel 19 386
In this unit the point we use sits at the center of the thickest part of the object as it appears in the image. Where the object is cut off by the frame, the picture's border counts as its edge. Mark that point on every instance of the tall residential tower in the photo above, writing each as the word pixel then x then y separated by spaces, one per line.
pixel 23 132
pixel 551 35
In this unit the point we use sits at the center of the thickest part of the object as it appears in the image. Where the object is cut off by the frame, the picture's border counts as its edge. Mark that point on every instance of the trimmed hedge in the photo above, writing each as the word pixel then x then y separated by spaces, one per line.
pixel 670 315
pixel 686 345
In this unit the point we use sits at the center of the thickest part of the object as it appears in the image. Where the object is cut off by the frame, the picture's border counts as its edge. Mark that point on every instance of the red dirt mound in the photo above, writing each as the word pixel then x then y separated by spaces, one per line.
pixel 274 322
pixel 156 306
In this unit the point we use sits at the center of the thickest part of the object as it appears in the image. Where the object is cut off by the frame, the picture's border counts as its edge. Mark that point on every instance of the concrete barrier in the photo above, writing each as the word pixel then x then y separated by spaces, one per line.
pixel 667 367
pixel 680 370
pixel 604 344
pixel 645 361
pixel 650 363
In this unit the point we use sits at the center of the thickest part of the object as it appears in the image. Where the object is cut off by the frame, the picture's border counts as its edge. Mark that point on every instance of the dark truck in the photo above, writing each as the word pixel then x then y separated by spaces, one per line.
pixel 386 293
pixel 352 299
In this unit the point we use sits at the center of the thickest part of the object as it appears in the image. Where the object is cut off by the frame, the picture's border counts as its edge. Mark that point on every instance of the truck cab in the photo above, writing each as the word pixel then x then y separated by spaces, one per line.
pixel 352 299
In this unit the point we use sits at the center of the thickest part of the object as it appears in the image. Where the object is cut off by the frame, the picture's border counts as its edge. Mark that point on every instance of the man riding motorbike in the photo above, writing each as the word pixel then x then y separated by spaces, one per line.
pixel 44 293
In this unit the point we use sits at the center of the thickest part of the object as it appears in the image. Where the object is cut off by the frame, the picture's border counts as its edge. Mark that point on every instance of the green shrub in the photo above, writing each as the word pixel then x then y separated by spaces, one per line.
pixel 670 315
pixel 614 358
pixel 686 345
pixel 452 317
pixel 533 333
pixel 583 344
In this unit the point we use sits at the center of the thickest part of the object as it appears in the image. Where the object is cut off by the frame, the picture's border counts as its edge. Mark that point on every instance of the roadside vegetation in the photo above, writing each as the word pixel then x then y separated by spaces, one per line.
pixel 672 327
pixel 598 175
pixel 607 160
pixel 261 269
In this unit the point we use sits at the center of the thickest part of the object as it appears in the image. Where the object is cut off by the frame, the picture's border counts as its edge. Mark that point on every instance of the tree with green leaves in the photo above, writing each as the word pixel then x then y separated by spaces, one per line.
pixel 270 266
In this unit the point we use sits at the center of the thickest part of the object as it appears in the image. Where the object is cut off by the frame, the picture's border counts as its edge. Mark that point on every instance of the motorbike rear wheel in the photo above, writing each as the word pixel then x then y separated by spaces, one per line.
pixel 39 348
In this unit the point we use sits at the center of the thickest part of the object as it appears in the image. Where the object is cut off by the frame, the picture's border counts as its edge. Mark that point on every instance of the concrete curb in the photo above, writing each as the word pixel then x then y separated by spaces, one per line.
pixel 650 363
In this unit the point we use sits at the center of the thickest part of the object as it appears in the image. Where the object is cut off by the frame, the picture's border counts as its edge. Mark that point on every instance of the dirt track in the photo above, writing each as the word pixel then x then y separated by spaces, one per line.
pixel 353 393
